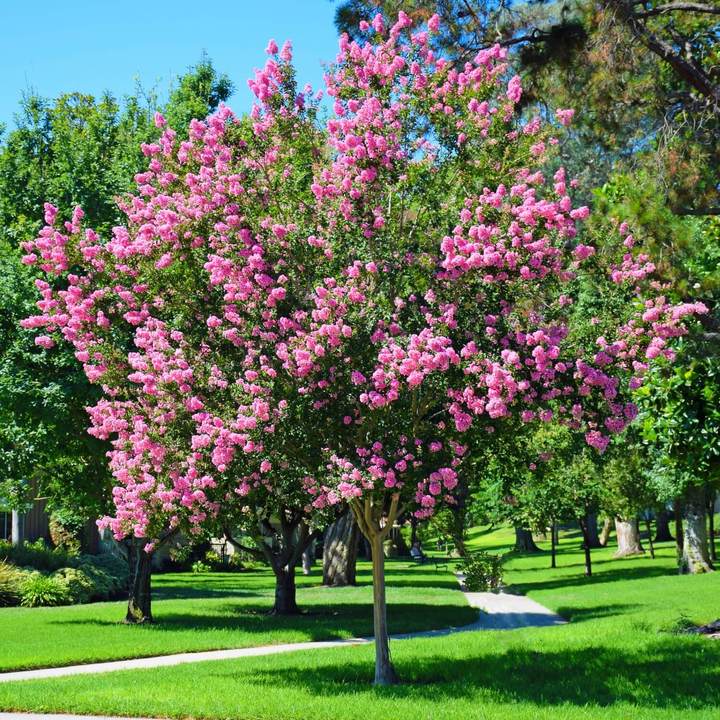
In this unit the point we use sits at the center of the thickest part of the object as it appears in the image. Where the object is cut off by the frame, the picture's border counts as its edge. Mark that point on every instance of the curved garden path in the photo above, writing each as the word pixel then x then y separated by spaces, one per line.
pixel 499 611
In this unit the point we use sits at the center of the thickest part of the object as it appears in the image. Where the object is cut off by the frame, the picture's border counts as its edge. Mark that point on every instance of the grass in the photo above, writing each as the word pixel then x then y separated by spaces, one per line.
pixel 211 611
pixel 618 658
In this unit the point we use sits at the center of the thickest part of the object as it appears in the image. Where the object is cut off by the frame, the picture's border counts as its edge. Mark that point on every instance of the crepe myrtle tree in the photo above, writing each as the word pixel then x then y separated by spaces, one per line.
pixel 201 277
pixel 394 280
pixel 453 249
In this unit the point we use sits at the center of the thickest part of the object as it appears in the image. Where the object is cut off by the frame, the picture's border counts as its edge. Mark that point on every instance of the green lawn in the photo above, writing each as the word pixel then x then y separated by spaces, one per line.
pixel 617 659
pixel 224 610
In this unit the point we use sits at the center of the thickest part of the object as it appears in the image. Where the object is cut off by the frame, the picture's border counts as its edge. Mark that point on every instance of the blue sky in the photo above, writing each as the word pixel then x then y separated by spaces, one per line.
pixel 56 46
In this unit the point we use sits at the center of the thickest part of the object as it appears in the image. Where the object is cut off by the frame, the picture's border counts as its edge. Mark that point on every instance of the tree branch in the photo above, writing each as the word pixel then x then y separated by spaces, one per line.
pixel 688 71
pixel 679 6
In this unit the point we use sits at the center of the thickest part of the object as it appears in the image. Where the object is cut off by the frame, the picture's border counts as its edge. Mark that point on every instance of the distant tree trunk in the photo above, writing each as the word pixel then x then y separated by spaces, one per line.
pixel 711 524
pixel 679 533
pixel 400 548
pixel 553 536
pixel 605 532
pixel 649 536
pixel 17 536
pixel 591 524
pixel 413 530
pixel 583 522
pixel 340 552
pixel 139 609
pixel 308 558
pixel 376 526
pixel 524 540
pixel 628 538
pixel 695 556
pixel 662 526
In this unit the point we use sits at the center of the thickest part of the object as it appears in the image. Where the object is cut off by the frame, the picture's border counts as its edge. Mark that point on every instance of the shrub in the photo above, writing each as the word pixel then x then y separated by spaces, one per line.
pixel 482 572
pixel 44 591
pixel 11 580
pixel 114 569
pixel 200 567
pixel 79 585
pixel 37 555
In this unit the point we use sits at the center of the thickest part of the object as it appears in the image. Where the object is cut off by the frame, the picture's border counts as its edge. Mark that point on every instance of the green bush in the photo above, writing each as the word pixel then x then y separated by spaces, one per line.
pixel 79 585
pixel 200 567
pixel 37 555
pixel 11 581
pixel 114 569
pixel 482 572
pixel 44 591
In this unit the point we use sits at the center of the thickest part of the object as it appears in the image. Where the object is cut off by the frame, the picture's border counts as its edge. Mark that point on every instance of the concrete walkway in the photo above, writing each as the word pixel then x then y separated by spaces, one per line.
pixel 499 611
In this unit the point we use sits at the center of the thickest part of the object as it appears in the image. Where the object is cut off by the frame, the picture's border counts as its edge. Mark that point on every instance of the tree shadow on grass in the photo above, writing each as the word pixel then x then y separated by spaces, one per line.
pixel 325 622
pixel 582 614
pixel 657 675
pixel 604 576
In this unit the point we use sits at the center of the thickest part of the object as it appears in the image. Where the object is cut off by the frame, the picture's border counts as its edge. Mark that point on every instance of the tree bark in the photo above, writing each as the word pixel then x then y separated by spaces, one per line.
pixel 553 536
pixel 524 540
pixel 587 539
pixel 679 533
pixel 628 538
pixel 308 558
pixel 695 556
pixel 591 525
pixel 285 591
pixel 662 526
pixel 139 609
pixel 340 552
pixel 17 533
pixel 605 532
pixel 369 519
pixel 711 525
pixel 649 536
pixel 384 671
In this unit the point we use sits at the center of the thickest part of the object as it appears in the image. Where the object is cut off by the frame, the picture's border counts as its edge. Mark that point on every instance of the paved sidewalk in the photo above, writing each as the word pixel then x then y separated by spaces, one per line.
pixel 500 611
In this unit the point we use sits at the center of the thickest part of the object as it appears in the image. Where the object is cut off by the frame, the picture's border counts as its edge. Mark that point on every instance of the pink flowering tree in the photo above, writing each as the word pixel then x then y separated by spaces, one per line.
pixel 449 314
pixel 180 316
pixel 338 316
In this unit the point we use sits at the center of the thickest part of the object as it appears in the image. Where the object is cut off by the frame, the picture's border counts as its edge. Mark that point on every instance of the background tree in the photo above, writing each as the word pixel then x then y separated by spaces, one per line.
pixel 73 150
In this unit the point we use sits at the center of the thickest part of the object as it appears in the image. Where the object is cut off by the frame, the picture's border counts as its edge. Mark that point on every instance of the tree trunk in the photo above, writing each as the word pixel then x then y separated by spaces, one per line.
pixel 587 539
pixel 662 526
pixel 628 538
pixel 711 525
pixel 139 610
pixel 308 558
pixel 384 671
pixel 285 601
pixel 400 548
pixel 17 536
pixel 679 532
pixel 413 530
pixel 695 557
pixel 340 552
pixel 591 526
pixel 553 531
pixel 649 535
pixel 375 525
pixel 605 532
pixel 524 540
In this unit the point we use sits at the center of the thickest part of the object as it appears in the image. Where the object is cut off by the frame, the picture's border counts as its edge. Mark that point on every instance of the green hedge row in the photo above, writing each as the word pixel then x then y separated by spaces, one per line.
pixel 89 578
